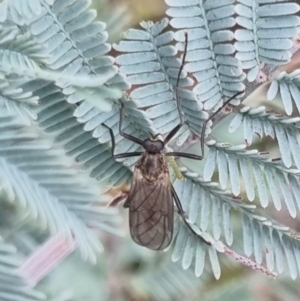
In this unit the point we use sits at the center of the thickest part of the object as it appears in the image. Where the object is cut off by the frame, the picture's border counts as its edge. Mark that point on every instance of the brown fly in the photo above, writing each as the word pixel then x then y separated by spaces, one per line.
pixel 150 199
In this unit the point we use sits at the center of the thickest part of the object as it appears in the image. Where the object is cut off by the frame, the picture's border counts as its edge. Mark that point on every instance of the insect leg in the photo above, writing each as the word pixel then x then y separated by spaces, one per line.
pixel 181 213
pixel 184 155
pixel 211 117
pixel 113 144
pixel 196 157
pixel 117 200
pixel 127 136
pixel 181 122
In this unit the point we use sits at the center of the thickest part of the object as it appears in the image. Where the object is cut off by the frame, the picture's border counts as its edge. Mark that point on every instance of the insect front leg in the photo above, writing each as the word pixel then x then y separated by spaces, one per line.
pixel 182 215
pixel 113 144
pixel 181 121
pixel 127 136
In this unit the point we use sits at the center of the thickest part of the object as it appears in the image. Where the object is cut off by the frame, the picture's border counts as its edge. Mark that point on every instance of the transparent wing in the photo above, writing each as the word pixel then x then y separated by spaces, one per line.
pixel 151 211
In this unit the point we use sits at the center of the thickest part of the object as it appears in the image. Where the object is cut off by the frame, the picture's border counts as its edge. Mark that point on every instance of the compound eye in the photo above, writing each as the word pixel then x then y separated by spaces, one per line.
pixel 159 145
pixel 147 144
pixel 153 146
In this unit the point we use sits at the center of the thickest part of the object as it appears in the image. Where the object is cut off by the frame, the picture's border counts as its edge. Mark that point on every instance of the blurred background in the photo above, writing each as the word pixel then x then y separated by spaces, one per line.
pixel 128 272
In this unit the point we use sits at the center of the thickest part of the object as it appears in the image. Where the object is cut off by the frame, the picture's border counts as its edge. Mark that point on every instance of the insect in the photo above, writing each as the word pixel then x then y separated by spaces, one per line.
pixel 150 199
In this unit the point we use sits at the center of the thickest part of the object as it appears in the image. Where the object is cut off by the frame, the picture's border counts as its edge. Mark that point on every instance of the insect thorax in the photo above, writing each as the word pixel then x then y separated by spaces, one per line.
pixel 152 166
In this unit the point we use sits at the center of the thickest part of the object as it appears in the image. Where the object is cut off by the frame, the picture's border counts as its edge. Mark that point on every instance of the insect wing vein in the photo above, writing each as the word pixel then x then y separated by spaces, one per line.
pixel 151 211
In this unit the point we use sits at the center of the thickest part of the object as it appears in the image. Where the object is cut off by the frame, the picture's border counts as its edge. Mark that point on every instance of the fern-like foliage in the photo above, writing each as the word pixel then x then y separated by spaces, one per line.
pixel 13 285
pixel 79 47
pixel 210 210
pixel 50 194
pixel 58 85
pixel 209 56
pixel 287 85
pixel 166 281
pixel 266 37
pixel 263 123
pixel 76 45
pixel 56 117
pixel 21 14
pixel 150 60
pixel 71 210
pixel 208 25
pixel 267 173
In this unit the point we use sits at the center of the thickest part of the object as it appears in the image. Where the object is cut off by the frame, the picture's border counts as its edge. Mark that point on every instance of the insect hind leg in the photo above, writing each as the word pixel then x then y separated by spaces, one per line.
pixel 182 215
pixel 204 125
